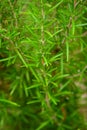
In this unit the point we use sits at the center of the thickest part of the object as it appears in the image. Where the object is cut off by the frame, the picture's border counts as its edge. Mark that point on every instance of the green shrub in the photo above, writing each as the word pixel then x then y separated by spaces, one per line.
pixel 42 62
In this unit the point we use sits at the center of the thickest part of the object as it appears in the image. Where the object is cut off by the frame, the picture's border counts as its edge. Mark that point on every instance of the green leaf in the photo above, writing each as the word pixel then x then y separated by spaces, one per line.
pixel 81 25
pixel 54 7
pixel 73 27
pixel 52 99
pixel 62 64
pixel 34 73
pixel 63 93
pixel 52 35
pixel 25 89
pixel 67 51
pixel 64 85
pixel 45 61
pixel 33 86
pixel 33 102
pixel 63 76
pixel 13 87
pixel 9 102
pixel 6 59
pixel 43 125
pixel 55 58
pixel 22 59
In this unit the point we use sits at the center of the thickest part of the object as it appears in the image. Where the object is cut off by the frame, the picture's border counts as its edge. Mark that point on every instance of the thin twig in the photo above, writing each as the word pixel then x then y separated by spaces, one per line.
pixel 47 99
pixel 14 14
pixel 42 26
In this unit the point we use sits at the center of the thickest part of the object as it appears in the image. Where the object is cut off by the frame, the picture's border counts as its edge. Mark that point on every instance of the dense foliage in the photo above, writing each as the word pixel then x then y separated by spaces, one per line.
pixel 43 64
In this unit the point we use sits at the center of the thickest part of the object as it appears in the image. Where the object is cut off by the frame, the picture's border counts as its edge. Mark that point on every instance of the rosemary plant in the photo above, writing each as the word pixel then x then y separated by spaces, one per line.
pixel 43 64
